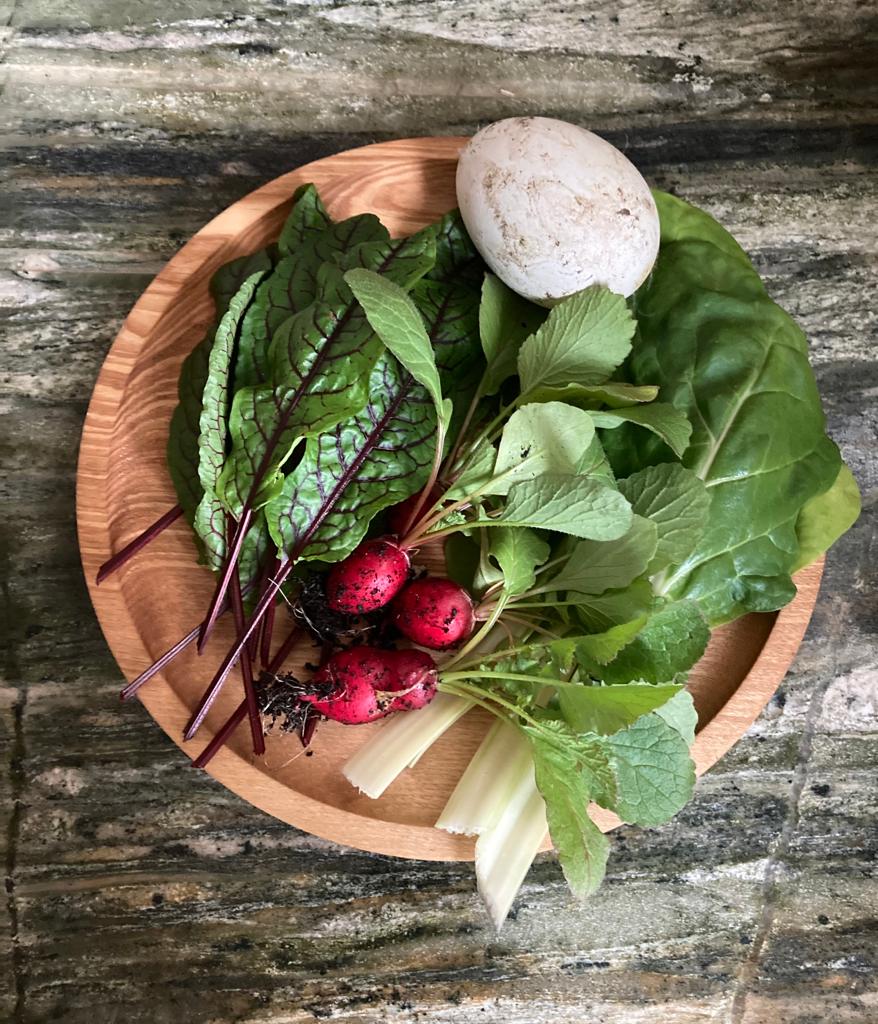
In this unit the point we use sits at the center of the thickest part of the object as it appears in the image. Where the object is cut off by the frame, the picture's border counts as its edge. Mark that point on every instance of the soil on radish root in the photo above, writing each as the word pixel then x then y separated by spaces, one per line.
pixel 330 627
pixel 280 700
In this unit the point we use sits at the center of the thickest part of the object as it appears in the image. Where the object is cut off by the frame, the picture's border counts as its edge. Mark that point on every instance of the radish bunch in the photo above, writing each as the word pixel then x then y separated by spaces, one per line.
pixel 362 683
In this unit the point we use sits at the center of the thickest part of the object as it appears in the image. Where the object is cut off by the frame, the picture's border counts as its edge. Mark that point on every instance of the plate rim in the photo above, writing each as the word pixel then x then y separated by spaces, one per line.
pixel 242 776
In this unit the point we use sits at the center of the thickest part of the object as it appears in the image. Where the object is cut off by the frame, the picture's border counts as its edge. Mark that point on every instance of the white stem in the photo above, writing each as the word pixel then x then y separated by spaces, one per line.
pixel 505 851
pixel 400 741
pixel 488 782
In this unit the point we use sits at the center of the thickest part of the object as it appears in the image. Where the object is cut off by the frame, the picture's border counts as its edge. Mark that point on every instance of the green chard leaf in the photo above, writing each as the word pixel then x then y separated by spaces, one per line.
pixel 597 566
pixel 672 641
pixel 665 421
pixel 738 369
pixel 396 320
pixel 538 439
pixel 505 320
pixel 582 341
pixel 321 360
pixel 375 459
pixel 576 505
pixel 582 847
pixel 826 517
pixel 676 501
pixel 607 709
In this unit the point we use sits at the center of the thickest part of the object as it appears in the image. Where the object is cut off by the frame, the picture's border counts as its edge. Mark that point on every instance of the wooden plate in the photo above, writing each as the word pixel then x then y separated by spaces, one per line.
pixel 123 486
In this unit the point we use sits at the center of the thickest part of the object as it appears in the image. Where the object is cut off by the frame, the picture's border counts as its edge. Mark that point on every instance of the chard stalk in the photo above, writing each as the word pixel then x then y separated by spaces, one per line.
pixel 507 846
pixel 486 785
pixel 399 743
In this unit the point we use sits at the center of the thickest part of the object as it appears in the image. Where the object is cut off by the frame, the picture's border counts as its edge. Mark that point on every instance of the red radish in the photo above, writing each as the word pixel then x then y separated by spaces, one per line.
pixel 355 674
pixel 435 613
pixel 369 578
pixel 398 517
pixel 417 676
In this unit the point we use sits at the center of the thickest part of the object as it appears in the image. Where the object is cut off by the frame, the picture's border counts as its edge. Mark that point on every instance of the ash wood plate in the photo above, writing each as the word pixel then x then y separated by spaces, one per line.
pixel 123 486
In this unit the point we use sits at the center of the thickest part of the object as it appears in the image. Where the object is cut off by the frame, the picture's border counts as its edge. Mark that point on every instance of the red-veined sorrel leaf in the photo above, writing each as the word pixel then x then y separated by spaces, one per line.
pixel 293 287
pixel 215 396
pixel 320 360
pixel 457 259
pixel 374 459
pixel 209 519
pixel 183 455
pixel 306 219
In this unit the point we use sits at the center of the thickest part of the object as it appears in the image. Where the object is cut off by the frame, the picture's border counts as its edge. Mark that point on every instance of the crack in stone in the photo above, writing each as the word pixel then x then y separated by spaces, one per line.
pixel 16 776
pixel 774 867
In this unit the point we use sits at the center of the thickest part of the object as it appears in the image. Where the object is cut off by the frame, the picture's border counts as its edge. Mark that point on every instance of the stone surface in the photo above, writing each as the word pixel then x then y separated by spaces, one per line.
pixel 139 890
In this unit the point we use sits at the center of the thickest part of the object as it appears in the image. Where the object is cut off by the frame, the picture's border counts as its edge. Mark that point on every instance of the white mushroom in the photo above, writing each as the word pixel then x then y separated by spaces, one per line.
pixel 554 208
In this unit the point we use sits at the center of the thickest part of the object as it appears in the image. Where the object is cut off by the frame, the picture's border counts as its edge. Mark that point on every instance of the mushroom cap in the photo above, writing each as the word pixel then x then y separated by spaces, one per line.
pixel 554 208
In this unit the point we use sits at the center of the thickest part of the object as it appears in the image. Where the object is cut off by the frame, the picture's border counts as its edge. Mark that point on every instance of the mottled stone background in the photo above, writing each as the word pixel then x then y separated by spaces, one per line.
pixel 140 891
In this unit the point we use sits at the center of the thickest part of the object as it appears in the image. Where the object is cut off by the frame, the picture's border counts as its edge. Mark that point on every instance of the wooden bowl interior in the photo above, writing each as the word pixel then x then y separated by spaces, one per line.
pixel 123 486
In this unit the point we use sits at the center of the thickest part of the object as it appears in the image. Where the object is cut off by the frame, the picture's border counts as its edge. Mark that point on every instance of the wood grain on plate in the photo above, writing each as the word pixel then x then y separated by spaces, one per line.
pixel 123 486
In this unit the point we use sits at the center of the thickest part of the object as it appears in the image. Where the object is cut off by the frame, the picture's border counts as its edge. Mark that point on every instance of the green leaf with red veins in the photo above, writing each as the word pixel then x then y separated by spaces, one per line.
pixel 183 435
pixel 209 523
pixel 307 218
pixel 372 460
pixel 320 364
pixel 229 278
pixel 293 287
pixel 185 422
pixel 457 259
pixel 215 397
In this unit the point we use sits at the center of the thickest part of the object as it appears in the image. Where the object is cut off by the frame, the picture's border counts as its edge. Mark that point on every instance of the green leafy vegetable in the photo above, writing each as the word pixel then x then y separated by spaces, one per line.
pixel 505 320
pixel 680 714
pixel 826 517
pixel 582 847
pixel 320 361
pixel 663 420
pixel 676 501
pixel 576 505
pixel 395 319
pixel 607 709
pixel 601 612
pixel 597 649
pixel 583 340
pixel 375 459
pixel 294 285
pixel 597 566
pixel 614 394
pixel 668 646
pixel 654 773
pixel 517 552
pixel 538 439
pixel 738 368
